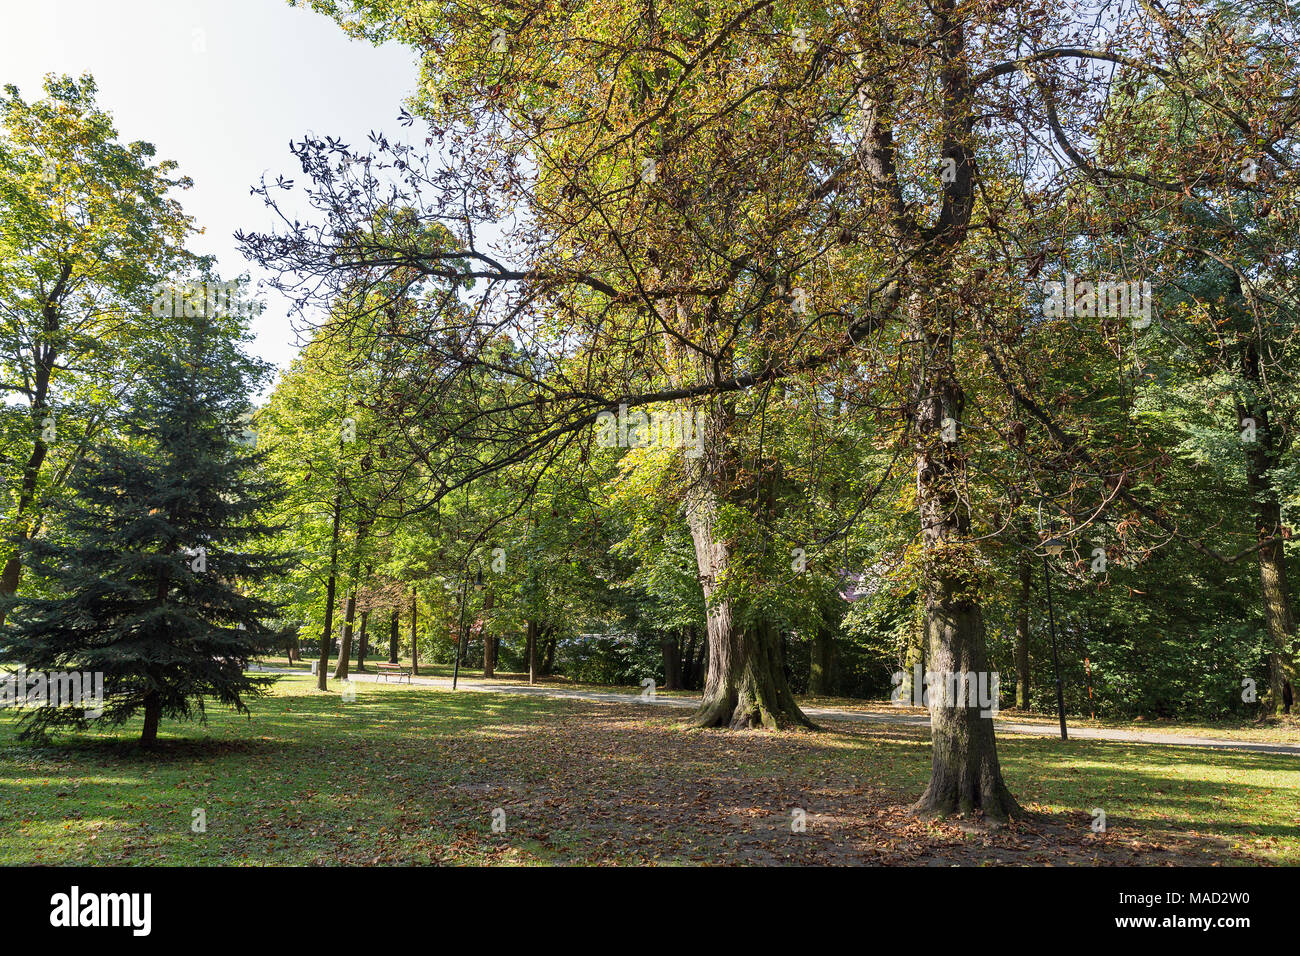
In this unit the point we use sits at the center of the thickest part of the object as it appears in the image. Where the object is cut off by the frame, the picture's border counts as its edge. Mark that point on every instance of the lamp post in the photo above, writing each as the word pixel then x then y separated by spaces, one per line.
pixel 460 627
pixel 1053 548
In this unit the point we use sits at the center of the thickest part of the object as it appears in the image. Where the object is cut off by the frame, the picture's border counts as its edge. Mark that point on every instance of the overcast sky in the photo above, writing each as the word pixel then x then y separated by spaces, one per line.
pixel 220 86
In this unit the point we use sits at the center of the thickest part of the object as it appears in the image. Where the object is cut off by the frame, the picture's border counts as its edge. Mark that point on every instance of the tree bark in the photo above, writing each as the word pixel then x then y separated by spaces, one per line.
pixel 965 776
pixel 746 684
pixel 1262 455
pixel 392 638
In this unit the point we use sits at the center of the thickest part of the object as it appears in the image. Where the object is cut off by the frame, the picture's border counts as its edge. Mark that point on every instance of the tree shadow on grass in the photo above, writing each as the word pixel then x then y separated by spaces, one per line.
pixel 1171 789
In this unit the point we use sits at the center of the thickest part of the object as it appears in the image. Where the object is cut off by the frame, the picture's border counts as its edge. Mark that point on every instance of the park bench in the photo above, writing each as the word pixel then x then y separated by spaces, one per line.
pixel 385 670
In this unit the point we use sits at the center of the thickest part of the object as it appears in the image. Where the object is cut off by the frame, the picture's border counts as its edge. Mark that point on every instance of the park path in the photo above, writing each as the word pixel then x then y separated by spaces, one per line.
pixel 835 713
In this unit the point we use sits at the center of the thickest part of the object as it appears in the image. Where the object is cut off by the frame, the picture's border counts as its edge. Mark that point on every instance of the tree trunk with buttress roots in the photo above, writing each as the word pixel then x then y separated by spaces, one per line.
pixel 745 685
pixel 965 777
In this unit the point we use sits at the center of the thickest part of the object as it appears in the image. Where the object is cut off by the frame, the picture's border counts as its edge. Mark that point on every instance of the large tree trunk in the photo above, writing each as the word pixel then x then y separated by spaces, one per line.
pixel 1279 622
pixel 152 716
pixel 964 773
pixel 746 684
pixel 1026 571
pixel 392 638
pixel 1262 456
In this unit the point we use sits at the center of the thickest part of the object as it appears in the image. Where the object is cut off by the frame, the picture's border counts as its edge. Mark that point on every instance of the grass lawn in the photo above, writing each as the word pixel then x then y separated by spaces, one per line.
pixel 414 775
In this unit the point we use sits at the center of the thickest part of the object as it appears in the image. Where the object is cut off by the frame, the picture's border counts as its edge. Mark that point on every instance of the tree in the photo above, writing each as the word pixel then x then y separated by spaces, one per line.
pixel 87 226
pixel 726 199
pixel 147 569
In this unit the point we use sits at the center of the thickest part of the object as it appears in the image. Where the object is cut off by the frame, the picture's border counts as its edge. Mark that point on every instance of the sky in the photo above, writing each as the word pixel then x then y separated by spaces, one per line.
pixel 220 86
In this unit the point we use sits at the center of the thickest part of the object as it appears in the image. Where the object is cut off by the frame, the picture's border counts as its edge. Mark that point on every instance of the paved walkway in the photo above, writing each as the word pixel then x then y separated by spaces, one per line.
pixel 834 713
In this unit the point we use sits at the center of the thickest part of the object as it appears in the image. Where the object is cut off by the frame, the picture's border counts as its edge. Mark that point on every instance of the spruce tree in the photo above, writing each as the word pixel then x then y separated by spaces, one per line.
pixel 145 573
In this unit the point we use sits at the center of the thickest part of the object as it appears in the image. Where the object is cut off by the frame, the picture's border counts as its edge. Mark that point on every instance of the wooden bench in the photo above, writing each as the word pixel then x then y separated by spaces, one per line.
pixel 385 670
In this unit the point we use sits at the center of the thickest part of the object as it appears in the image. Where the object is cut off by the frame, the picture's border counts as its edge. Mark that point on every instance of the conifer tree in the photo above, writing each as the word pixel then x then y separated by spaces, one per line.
pixel 146 576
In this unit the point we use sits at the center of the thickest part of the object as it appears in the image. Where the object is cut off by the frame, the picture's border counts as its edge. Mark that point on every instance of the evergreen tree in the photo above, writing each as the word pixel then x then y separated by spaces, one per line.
pixel 144 577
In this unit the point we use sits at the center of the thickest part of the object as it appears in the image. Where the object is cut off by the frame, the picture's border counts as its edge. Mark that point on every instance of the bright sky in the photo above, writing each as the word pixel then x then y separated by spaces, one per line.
pixel 220 86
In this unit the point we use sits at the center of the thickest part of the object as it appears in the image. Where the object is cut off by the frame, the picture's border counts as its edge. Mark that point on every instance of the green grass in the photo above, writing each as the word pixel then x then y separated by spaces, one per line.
pixel 413 775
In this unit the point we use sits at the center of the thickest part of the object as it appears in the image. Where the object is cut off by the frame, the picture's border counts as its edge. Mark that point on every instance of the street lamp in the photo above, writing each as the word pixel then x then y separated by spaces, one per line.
pixel 1054 547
